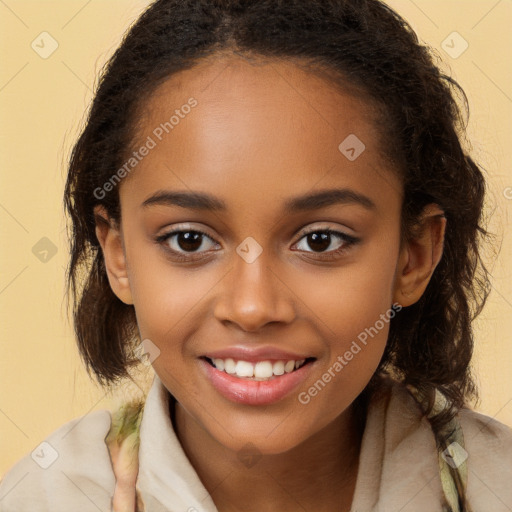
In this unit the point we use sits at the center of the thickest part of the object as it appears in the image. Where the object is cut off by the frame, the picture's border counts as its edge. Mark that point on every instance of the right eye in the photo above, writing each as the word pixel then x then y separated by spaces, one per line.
pixel 182 242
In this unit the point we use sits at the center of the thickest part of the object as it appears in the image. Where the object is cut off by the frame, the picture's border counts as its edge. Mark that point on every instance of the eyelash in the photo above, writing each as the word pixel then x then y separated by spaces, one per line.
pixel 348 241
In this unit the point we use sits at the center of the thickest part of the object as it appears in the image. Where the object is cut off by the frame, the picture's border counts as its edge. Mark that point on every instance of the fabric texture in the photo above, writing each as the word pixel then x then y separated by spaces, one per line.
pixel 131 460
pixel 123 441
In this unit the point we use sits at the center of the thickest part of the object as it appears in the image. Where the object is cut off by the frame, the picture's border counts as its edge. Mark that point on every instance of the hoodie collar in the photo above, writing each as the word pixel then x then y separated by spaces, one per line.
pixel 398 464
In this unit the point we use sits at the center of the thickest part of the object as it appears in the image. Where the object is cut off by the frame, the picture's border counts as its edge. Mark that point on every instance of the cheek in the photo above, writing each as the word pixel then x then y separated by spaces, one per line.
pixel 353 311
pixel 351 299
pixel 355 340
pixel 165 295
pixel 167 302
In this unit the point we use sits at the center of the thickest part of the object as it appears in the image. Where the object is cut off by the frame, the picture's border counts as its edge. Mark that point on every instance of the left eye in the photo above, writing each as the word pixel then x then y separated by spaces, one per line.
pixel 322 240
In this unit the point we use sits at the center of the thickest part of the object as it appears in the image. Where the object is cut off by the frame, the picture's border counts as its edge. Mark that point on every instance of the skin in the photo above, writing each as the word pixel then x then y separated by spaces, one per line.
pixel 260 135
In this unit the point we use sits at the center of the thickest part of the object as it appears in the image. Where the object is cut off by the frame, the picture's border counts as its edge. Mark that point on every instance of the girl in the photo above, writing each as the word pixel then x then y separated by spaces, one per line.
pixel 270 200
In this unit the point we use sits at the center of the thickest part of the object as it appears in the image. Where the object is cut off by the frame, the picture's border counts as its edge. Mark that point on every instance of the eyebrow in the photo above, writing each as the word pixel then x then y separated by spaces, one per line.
pixel 311 201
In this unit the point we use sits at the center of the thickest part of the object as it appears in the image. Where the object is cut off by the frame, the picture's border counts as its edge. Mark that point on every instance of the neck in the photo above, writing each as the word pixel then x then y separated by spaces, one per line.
pixel 319 474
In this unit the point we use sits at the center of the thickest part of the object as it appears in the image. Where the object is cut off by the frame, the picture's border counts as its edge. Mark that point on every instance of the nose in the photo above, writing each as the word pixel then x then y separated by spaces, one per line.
pixel 253 295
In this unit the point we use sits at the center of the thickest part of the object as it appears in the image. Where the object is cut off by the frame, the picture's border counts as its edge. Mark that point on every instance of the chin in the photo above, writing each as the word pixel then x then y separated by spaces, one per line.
pixel 267 437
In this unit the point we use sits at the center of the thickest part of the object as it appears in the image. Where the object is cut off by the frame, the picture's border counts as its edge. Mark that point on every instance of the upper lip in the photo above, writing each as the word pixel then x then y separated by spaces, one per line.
pixel 256 354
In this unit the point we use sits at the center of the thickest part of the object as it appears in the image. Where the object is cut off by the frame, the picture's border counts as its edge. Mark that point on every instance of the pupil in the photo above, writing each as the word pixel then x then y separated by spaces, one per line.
pixel 322 241
pixel 189 240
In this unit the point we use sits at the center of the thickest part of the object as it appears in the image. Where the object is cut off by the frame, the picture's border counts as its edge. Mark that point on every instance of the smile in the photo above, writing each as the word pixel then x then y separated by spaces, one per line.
pixel 259 371
pixel 256 383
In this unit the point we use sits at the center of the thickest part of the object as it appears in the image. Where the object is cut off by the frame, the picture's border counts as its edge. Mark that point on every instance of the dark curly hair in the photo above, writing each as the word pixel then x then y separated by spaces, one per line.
pixel 362 45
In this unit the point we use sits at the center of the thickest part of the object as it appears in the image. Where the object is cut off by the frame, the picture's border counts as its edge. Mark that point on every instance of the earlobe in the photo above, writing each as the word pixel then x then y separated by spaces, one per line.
pixel 109 237
pixel 420 256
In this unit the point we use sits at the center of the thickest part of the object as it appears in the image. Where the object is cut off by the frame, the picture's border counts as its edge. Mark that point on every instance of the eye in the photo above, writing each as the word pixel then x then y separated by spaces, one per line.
pixel 320 240
pixel 181 242
pixel 189 244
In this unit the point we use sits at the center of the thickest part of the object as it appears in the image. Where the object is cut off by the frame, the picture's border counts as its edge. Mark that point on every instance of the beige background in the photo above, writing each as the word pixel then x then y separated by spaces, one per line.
pixel 42 102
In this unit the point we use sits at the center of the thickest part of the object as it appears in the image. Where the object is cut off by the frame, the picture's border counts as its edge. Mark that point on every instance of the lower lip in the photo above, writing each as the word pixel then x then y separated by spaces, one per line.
pixel 252 392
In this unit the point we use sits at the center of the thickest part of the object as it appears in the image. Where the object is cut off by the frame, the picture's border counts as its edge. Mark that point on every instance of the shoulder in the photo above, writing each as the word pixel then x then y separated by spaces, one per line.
pixel 482 430
pixel 69 470
pixel 486 450
pixel 488 447
pixel 486 440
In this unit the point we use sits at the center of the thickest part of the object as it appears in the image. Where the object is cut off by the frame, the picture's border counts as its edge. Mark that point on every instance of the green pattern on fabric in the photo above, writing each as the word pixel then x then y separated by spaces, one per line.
pixel 453 476
pixel 123 440
pixel 126 420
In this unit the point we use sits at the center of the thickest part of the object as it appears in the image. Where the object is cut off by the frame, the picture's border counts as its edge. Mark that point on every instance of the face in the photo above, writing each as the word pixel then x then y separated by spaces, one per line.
pixel 281 246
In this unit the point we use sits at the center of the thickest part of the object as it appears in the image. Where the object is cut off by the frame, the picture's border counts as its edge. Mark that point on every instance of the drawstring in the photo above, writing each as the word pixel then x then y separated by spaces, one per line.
pixel 452 456
pixel 123 446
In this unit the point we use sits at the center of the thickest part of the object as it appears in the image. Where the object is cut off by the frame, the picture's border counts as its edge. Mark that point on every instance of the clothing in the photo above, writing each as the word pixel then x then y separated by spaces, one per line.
pixel 398 465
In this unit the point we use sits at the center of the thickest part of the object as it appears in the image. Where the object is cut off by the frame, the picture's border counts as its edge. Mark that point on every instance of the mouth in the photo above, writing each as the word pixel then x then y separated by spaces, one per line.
pixel 257 371
pixel 254 383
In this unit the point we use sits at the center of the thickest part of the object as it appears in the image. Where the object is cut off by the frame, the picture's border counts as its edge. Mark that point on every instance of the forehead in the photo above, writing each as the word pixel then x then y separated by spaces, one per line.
pixel 266 127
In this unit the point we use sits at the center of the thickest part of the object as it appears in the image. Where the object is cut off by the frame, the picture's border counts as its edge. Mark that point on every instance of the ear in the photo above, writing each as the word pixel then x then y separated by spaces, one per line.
pixel 420 256
pixel 110 239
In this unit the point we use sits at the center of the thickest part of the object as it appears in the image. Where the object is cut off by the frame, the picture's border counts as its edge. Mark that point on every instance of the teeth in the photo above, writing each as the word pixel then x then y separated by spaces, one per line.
pixel 229 366
pixel 278 368
pixel 289 366
pixel 244 369
pixel 262 370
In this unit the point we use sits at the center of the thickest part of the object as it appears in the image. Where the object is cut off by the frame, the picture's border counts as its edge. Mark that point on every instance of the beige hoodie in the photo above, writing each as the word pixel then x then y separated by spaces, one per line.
pixel 72 470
